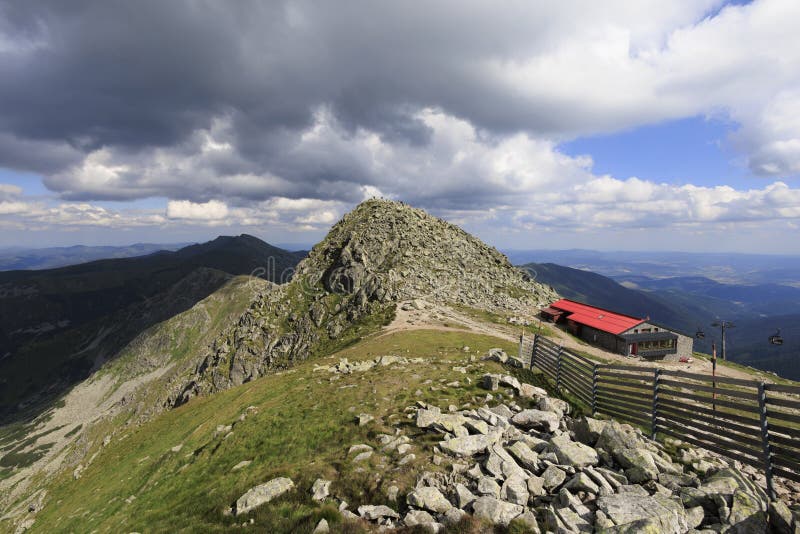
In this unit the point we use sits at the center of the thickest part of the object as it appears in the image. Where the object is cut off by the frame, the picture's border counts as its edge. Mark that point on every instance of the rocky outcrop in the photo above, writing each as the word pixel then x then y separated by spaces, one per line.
pixel 255 497
pixel 540 468
pixel 379 254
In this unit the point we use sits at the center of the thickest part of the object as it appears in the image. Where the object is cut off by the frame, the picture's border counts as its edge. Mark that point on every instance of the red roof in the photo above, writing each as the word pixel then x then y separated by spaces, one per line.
pixel 604 320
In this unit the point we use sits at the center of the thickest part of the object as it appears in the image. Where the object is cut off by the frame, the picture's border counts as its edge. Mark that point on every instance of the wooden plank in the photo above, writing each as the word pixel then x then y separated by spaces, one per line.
pixel 629 368
pixel 774 427
pixel 634 408
pixel 566 371
pixel 574 364
pixel 626 393
pixel 747 430
pixel 577 384
pixel 632 401
pixel 784 403
pixel 786 473
pixel 717 431
pixel 782 388
pixel 709 389
pixel 625 415
pixel 577 371
pixel 581 396
pixel 793 441
pixel 708 400
pixel 785 457
pixel 757 462
pixel 709 378
pixel 707 411
pixel 787 417
pixel 585 361
pixel 637 385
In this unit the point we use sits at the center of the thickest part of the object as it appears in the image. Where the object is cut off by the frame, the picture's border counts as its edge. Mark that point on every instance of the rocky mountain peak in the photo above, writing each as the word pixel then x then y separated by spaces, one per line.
pixel 378 255
pixel 389 251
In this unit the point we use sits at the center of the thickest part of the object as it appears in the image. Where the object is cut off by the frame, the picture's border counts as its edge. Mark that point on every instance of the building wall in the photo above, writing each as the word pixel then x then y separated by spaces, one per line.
pixel 601 339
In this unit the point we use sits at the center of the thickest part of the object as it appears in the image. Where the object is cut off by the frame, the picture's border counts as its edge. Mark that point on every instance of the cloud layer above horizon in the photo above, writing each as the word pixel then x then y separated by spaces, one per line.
pixel 254 114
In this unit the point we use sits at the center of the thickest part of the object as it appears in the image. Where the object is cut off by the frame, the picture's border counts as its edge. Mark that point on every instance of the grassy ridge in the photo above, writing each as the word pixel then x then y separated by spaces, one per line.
pixel 301 426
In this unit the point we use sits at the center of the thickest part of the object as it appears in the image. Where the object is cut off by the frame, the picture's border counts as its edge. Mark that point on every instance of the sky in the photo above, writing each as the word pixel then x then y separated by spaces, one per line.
pixel 621 125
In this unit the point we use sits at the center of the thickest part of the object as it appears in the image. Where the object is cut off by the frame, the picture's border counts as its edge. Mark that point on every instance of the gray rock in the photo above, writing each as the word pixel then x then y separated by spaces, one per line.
pixel 573 521
pixel 500 464
pixel 322 527
pixel 582 482
pixel 320 489
pixel 502 410
pixel 374 513
pixel 498 355
pixel 638 513
pixel 361 447
pixel 746 514
pixel 495 511
pixel 535 486
pixel 510 381
pixel 553 477
pixel 550 404
pixel 536 419
pixel 262 494
pixel 362 456
pixel 605 487
pixel 524 455
pixel 430 499
pixel 528 520
pixel 529 391
pixel 364 418
pixel 476 426
pixel 780 518
pixel 695 516
pixel 464 496
pixel 488 486
pixel 616 436
pixel 638 463
pixel 435 419
pixel 490 382
pixel 453 516
pixel 392 492
pixel 588 430
pixel 418 517
pixel 469 445
pixel 573 453
pixel 515 490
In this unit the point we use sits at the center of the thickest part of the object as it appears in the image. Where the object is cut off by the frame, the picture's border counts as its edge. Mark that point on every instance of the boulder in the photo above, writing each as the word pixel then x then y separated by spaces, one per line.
pixel 374 513
pixel 488 486
pixel 588 430
pixel 528 521
pixel 435 419
pixel 550 404
pixel 262 494
pixel 780 518
pixel 536 419
pixel 616 436
pixel 746 514
pixel 469 445
pixel 429 498
pixel 510 381
pixel 495 511
pixel 638 464
pixel 464 496
pixel 500 464
pixel 490 382
pixel 321 528
pixel 320 489
pixel 497 355
pixel 515 490
pixel 573 453
pixel 535 486
pixel 529 391
pixel 638 513
pixel 553 477
pixel 418 517
pixel 582 482
pixel 454 515
pixel 524 455
pixel 364 418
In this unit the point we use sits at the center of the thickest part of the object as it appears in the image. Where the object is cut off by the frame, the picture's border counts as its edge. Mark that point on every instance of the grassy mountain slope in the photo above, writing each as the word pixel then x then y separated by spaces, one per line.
pixel 130 387
pixel 59 325
pixel 298 423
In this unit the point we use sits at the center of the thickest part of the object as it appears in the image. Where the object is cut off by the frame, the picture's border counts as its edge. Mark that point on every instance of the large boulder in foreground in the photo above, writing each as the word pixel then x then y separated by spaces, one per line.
pixel 573 453
pixel 495 511
pixel 264 493
pixel 633 512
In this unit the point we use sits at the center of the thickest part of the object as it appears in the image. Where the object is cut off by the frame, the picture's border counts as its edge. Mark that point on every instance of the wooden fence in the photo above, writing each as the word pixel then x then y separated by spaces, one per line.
pixel 755 423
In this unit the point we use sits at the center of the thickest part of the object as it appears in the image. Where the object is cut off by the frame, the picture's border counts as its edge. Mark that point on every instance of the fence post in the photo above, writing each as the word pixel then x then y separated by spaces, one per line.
pixel 594 389
pixel 520 354
pixel 762 410
pixel 654 422
pixel 533 349
pixel 558 368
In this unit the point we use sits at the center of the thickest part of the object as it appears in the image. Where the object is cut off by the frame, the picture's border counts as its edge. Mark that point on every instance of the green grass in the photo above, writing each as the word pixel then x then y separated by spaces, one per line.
pixel 302 429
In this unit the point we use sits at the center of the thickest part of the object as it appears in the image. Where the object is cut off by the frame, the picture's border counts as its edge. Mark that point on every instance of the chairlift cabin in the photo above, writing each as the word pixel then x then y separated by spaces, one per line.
pixel 700 334
pixel 776 339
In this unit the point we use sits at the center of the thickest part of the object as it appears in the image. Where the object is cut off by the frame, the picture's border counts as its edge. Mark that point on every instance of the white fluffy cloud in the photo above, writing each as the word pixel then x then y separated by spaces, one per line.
pixel 456 109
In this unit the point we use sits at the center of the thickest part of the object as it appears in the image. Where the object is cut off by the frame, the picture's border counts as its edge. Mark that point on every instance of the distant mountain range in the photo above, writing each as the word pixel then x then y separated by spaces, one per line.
pixel 16 258
pixel 57 325
pixel 689 303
